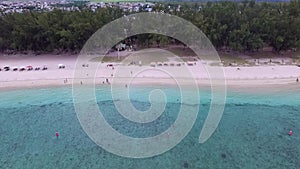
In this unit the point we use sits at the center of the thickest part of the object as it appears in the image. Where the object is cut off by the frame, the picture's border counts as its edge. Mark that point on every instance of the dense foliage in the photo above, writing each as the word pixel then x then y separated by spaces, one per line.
pixel 246 26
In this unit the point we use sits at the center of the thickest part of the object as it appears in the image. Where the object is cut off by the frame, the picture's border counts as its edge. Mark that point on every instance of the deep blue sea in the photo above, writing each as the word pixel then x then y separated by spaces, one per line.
pixel 253 132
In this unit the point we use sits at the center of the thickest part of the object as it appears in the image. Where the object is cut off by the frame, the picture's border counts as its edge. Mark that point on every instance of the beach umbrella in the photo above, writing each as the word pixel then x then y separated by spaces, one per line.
pixel 152 64
pixel 61 66
pixel 29 67
pixel 190 63
pixel 22 68
pixel 15 68
pixel 45 67
pixel 6 68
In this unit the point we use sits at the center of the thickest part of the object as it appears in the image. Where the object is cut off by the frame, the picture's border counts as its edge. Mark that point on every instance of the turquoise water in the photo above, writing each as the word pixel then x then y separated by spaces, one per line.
pixel 252 133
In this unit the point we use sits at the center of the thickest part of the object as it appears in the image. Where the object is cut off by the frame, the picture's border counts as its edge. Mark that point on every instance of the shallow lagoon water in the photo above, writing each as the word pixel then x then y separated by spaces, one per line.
pixel 252 132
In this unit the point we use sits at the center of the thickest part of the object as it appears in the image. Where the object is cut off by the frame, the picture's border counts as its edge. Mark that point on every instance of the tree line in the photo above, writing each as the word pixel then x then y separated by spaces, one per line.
pixel 244 27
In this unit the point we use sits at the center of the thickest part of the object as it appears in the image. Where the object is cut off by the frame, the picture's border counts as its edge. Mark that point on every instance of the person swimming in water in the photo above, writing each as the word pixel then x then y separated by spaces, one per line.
pixel 290 133
pixel 56 134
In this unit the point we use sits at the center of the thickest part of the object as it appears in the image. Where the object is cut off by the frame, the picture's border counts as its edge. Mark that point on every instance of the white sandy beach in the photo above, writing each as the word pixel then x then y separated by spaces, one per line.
pixel 246 76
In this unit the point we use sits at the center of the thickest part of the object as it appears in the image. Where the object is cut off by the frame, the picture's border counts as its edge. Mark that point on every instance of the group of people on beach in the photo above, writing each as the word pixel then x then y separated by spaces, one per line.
pixel 65 81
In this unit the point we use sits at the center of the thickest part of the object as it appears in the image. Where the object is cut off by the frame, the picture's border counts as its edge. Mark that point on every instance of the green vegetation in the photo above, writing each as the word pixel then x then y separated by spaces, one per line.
pixel 240 27
pixel 50 31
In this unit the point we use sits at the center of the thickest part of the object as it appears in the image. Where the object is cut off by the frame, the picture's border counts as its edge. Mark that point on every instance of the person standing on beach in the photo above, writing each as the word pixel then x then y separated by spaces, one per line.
pixel 297 80
pixel 107 80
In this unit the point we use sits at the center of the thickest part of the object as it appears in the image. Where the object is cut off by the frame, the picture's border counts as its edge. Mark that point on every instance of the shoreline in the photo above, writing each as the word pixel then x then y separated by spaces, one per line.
pixel 251 84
